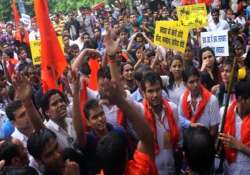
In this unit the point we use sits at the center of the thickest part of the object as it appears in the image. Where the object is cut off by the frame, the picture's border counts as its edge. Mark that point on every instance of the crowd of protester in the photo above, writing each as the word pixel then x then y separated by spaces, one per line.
pixel 155 110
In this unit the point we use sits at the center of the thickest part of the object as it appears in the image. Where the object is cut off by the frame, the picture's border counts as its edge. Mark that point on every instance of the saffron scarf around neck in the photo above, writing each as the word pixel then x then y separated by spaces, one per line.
pixel 230 128
pixel 169 117
pixel 186 107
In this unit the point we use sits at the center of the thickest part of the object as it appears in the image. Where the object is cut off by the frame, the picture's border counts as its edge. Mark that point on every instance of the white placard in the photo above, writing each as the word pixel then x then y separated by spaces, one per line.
pixel 217 40
pixel 25 19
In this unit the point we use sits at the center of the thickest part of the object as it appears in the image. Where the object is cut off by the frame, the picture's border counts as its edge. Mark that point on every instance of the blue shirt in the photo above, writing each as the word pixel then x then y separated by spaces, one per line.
pixel 137 96
pixel 248 12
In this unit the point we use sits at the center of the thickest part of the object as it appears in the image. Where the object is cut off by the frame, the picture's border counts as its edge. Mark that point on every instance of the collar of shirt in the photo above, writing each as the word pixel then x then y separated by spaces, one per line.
pixel 137 96
pixel 52 124
pixel 189 99
pixel 23 138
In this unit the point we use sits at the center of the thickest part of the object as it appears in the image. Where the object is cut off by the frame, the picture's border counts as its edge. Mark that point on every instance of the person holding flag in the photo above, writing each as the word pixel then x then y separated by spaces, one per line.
pixel 236 134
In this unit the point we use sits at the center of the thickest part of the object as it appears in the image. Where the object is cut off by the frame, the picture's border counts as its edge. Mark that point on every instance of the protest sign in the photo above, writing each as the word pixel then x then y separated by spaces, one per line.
pixel 35 47
pixel 192 16
pixel 25 19
pixel 168 34
pixel 217 40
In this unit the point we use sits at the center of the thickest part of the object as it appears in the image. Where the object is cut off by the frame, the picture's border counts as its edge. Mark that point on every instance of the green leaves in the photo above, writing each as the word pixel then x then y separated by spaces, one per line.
pixel 54 6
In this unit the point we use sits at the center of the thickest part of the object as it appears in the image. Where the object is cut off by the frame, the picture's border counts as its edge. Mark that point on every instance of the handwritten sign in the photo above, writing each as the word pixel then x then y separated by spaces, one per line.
pixel 25 19
pixel 168 34
pixel 192 16
pixel 35 47
pixel 217 40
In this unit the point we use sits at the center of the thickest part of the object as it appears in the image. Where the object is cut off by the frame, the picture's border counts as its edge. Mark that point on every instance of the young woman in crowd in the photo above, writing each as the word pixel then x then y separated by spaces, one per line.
pixel 176 85
pixel 209 69
pixel 127 72
pixel 220 90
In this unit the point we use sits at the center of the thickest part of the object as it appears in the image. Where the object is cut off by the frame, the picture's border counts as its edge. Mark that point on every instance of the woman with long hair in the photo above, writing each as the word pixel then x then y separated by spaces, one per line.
pixel 176 85
pixel 209 69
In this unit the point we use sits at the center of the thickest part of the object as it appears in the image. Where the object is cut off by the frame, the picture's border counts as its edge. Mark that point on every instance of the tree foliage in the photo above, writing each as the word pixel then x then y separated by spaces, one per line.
pixel 54 6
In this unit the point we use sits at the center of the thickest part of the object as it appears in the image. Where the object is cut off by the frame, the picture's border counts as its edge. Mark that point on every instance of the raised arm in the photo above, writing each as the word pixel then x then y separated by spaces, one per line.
pixel 112 49
pixel 131 42
pixel 80 58
pixel 76 112
pixel 23 92
pixel 140 126
pixel 148 40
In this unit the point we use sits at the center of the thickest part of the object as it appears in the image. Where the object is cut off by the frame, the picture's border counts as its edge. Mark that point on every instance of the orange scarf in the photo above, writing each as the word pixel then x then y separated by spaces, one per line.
pixel 140 165
pixel 120 118
pixel 23 39
pixel 230 129
pixel 201 106
pixel 169 115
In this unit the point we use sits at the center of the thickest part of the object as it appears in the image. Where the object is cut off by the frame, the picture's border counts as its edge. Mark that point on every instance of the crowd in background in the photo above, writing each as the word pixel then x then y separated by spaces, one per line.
pixel 152 110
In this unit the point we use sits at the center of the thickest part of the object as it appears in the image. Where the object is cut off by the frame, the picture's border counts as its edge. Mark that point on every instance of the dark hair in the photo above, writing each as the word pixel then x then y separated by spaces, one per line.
pixel 90 105
pixel 97 28
pixel 198 146
pixel 20 49
pixel 152 78
pixel 204 50
pixel 11 109
pixel 215 10
pixel 37 141
pixel 104 72
pixel 85 69
pixel 46 98
pixel 123 64
pixel 242 89
pixel 227 61
pixel 124 30
pixel 19 171
pixel 191 71
pixel 8 151
pixel 111 152
pixel 9 53
pixel 171 76
pixel 140 71
pixel 11 93
pixel 139 35
pixel 74 46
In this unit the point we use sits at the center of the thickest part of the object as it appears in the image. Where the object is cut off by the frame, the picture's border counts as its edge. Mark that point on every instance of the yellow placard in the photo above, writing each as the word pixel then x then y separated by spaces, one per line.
pixel 192 16
pixel 170 35
pixel 35 47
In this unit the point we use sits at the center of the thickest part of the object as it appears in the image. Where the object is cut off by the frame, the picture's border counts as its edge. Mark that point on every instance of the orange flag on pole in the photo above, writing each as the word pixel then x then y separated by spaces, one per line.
pixel 53 62
pixel 94 67
pixel 15 13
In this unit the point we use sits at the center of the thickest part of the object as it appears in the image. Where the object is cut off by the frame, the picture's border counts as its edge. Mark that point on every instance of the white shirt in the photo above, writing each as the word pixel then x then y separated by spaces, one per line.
pixel 240 20
pixel 65 138
pixel 211 114
pixel 112 111
pixel 20 136
pixel 165 160
pixel 241 166
pixel 175 93
pixel 78 42
pixel 34 35
pixel 222 25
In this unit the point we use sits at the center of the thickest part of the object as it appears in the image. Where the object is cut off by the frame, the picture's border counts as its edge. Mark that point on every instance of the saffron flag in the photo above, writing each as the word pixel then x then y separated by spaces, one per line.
pixel 15 13
pixel 94 67
pixel 53 62
pixel 190 2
